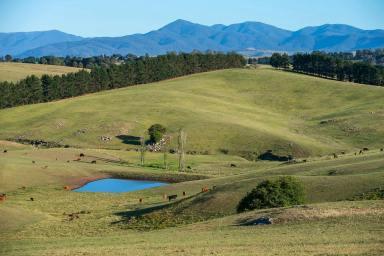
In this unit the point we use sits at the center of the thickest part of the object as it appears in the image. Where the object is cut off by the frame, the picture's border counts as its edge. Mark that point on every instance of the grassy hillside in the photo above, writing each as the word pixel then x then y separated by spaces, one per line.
pixel 42 227
pixel 14 72
pixel 240 111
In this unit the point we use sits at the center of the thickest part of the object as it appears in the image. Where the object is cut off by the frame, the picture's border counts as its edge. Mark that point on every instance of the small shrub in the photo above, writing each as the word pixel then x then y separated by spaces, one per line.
pixel 281 192
pixel 156 132
pixel 375 194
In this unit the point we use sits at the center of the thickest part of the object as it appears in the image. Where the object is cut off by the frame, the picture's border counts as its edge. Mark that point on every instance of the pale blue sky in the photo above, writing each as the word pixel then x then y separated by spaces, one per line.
pixel 119 17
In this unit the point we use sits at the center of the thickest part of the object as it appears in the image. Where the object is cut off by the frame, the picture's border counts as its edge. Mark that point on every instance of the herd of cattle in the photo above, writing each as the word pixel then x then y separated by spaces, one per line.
pixel 3 196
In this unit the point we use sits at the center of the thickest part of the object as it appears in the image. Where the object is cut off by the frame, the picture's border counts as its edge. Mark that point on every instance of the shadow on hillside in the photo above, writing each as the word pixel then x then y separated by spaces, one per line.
pixel 269 156
pixel 129 139
pixel 127 215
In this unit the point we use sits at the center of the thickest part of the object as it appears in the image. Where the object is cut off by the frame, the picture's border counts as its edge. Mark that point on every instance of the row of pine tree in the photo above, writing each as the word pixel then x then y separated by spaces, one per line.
pixel 330 66
pixel 132 72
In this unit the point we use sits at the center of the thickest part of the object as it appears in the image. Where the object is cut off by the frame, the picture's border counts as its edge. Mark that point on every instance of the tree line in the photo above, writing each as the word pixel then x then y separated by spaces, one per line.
pixel 330 66
pixel 132 72
pixel 73 61
pixel 374 57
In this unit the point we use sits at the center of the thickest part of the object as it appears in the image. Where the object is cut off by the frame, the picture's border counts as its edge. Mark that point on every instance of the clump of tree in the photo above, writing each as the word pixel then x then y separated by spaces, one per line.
pixel 75 61
pixel 156 132
pixel 280 192
pixel 279 60
pixel 132 72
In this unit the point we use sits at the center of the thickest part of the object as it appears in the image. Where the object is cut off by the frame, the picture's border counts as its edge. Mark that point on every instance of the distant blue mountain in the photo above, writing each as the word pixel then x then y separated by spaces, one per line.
pixel 19 42
pixel 181 35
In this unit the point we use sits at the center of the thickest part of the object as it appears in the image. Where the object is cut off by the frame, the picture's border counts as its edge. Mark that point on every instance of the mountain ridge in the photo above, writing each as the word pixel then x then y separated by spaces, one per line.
pixel 185 36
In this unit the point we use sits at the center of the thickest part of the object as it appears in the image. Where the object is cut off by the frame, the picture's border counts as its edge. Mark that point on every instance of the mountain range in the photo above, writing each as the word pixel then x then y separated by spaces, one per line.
pixel 250 38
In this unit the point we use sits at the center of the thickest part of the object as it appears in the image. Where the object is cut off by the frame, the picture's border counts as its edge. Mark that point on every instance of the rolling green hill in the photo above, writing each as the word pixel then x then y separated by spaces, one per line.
pixel 230 116
pixel 13 72
pixel 239 111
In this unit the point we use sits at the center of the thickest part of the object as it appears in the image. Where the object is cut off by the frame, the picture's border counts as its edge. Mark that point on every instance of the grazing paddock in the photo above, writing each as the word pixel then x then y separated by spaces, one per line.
pixel 13 72
pixel 232 118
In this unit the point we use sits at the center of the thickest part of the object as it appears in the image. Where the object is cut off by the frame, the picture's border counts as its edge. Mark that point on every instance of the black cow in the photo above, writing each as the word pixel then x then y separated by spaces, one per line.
pixel 172 197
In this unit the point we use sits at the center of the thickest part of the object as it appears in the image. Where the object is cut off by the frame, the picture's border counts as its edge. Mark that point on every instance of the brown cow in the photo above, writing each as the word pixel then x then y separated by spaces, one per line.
pixel 204 189
pixel 3 197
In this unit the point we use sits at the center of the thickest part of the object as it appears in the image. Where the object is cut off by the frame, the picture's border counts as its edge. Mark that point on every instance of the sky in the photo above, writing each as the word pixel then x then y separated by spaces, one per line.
pixel 123 17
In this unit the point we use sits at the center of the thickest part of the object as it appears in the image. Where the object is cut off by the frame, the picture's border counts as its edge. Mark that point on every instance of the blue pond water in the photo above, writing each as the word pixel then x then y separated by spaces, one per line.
pixel 118 185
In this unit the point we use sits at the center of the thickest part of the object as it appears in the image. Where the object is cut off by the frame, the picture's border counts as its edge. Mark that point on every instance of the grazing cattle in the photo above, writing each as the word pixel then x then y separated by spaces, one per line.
pixel 32 199
pixel 365 149
pixel 73 216
pixel 66 187
pixel 361 152
pixel 3 197
pixel 343 152
pixel 334 155
pixel 204 189
pixel 172 197
pixel 93 162
pixel 184 193
pixel 23 187
pixel 33 162
pixel 304 160
pixel 382 149
pixel 355 153
pixel 5 151
pixel 233 165
pixel 82 155
pixel 140 200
